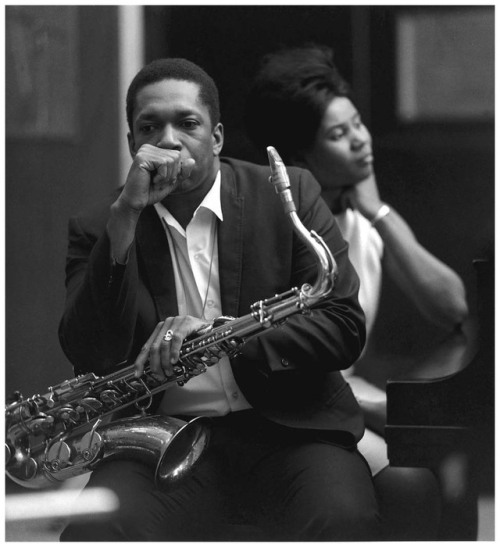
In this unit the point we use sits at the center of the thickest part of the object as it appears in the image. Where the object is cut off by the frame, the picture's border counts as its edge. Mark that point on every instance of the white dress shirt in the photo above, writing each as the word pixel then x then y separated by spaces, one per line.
pixel 195 259
pixel 366 249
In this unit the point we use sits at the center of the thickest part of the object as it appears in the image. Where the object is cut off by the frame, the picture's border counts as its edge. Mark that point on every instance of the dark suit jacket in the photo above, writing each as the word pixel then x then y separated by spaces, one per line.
pixel 111 311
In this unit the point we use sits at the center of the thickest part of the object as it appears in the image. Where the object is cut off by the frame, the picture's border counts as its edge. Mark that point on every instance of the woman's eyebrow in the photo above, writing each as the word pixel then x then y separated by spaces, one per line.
pixel 339 125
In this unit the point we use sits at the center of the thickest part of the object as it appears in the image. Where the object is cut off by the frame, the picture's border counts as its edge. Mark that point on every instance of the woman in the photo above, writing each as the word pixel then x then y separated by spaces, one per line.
pixel 300 104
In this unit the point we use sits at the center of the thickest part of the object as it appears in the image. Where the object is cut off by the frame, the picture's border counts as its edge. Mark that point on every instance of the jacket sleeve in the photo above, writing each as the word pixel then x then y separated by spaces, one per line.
pixel 97 327
pixel 333 335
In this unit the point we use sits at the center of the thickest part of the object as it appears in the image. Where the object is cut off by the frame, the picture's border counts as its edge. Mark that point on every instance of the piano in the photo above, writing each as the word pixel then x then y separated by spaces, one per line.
pixel 442 415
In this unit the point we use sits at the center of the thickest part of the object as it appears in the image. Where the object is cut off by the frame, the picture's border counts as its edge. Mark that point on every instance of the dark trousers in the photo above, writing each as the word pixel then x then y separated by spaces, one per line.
pixel 291 485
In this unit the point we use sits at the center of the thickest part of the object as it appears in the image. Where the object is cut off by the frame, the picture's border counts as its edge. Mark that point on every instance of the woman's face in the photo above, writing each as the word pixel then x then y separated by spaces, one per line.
pixel 341 154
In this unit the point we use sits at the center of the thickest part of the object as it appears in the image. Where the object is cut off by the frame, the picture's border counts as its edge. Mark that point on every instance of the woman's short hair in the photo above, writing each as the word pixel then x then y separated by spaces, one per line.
pixel 289 95
pixel 175 69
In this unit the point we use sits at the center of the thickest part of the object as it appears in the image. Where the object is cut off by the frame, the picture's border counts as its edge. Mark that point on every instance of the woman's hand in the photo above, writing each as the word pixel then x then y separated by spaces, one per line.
pixel 163 347
pixel 364 197
pixel 436 290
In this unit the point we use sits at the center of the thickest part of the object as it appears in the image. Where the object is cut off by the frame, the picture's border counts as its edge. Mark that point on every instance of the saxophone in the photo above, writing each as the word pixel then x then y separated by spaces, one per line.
pixel 70 430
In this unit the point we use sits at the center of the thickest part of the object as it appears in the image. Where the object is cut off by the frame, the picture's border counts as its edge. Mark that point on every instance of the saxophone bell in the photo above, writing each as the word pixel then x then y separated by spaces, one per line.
pixel 168 445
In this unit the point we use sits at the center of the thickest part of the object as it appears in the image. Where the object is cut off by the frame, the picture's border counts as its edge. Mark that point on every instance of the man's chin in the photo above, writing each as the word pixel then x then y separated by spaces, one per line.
pixel 182 187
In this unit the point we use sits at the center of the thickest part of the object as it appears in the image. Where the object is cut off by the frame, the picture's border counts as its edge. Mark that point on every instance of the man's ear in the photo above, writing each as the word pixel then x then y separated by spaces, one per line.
pixel 218 138
pixel 131 144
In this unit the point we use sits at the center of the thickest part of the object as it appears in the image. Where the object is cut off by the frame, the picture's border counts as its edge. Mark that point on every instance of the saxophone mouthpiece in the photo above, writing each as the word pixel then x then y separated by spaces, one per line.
pixel 279 177
pixel 278 170
pixel 274 157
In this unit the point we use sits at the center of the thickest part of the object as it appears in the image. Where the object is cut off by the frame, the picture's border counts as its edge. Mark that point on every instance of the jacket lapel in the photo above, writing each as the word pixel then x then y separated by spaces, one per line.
pixel 230 241
pixel 154 253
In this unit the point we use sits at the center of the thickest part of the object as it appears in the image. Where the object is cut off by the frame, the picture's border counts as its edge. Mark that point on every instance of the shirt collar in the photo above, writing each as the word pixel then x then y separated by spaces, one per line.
pixel 211 201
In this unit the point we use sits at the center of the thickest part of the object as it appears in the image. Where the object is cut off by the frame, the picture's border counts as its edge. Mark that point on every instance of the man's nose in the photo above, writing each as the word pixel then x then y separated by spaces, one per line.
pixel 169 139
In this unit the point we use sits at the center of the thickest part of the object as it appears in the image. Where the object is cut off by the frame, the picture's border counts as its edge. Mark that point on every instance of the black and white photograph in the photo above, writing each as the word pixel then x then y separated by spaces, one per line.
pixel 249 272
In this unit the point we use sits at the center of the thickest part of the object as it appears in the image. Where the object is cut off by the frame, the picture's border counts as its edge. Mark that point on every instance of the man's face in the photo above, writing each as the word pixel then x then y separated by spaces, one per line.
pixel 170 115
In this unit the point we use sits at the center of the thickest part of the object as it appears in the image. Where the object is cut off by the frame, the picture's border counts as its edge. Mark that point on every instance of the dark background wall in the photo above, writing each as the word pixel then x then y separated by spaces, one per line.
pixel 49 177
pixel 439 175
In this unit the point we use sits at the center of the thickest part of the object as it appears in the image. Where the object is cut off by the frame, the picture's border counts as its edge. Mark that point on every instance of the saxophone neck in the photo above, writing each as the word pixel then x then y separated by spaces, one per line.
pixel 327 266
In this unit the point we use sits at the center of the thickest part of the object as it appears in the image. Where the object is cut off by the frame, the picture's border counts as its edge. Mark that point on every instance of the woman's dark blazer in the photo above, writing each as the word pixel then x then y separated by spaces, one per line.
pixel 111 310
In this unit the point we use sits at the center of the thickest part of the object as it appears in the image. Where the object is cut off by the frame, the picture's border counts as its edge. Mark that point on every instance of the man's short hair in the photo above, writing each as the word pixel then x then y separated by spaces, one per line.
pixel 175 69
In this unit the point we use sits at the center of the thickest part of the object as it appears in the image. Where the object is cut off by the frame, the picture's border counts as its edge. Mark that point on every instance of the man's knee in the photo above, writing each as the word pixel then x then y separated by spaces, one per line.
pixel 410 503
pixel 346 523
pixel 418 486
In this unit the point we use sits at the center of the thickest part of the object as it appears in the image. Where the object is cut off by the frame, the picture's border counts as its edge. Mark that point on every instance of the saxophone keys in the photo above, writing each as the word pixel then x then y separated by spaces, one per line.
pixel 22 465
pixel 110 397
pixel 15 397
pixel 58 456
pixel 40 423
pixel 89 446
pixel 69 415
pixel 89 404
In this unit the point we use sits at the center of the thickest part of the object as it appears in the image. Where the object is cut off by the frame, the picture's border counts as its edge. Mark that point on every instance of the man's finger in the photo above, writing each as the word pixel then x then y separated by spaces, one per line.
pixel 187 166
pixel 141 359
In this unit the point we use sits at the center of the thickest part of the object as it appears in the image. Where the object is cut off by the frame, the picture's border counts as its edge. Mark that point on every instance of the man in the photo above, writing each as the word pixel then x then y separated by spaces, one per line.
pixel 189 237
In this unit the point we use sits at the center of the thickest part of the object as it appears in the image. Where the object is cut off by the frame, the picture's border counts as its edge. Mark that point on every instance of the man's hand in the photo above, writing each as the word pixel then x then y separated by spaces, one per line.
pixel 154 174
pixel 163 347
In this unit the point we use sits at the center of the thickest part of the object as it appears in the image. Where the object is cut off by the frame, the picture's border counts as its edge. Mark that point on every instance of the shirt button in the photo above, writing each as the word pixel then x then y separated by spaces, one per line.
pixel 197 256
pixel 284 362
pixel 235 394
pixel 210 303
